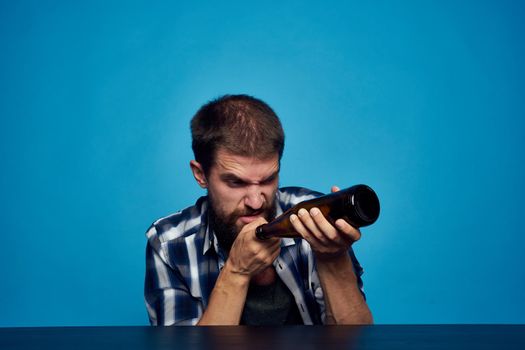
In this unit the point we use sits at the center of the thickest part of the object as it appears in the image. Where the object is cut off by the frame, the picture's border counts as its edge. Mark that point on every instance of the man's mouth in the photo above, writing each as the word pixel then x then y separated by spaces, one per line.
pixel 247 218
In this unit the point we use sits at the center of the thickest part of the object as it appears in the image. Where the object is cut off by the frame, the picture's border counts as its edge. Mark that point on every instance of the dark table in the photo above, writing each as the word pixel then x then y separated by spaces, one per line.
pixel 382 337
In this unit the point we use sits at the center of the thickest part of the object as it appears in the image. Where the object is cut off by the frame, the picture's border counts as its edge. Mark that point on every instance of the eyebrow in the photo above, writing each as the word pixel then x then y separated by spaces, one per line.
pixel 233 177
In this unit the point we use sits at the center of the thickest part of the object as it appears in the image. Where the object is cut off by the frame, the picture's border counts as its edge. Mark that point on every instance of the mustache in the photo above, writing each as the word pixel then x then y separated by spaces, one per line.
pixel 265 210
pixel 251 212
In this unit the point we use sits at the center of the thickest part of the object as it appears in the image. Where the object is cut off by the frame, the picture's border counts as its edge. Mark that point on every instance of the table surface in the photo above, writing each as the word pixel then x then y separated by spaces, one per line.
pixel 383 337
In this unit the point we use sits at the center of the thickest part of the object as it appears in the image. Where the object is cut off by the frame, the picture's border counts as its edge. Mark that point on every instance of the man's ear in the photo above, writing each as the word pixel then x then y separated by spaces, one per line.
pixel 198 173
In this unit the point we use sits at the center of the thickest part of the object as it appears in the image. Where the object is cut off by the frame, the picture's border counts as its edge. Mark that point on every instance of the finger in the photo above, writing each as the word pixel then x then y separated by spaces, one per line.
pixel 302 230
pixel 251 227
pixel 349 232
pixel 276 253
pixel 266 251
pixel 273 252
pixel 311 226
pixel 325 227
pixel 267 256
pixel 276 244
pixel 335 189
pixel 269 244
pixel 255 223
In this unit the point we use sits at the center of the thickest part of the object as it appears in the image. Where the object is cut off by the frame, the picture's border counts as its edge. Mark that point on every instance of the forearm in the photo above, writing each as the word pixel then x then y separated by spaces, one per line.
pixel 226 300
pixel 343 299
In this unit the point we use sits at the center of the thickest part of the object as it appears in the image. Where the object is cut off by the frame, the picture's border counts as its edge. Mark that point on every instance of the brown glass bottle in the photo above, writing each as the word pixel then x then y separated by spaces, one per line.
pixel 358 205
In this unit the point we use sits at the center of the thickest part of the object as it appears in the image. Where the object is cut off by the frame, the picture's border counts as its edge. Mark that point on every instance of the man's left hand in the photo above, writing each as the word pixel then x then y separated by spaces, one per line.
pixel 327 241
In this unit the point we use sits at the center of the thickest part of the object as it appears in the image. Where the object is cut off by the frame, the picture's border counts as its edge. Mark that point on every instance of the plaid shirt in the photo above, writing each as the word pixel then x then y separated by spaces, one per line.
pixel 183 261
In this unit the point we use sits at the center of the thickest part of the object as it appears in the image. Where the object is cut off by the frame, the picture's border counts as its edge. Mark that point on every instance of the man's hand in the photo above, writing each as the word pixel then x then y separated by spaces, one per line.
pixel 327 241
pixel 330 243
pixel 249 255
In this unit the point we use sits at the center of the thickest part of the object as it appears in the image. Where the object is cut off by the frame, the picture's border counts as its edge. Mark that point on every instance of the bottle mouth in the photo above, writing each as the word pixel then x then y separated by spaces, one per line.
pixel 366 204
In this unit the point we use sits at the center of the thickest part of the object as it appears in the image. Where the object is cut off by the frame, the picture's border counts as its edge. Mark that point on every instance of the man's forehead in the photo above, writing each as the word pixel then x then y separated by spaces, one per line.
pixel 226 162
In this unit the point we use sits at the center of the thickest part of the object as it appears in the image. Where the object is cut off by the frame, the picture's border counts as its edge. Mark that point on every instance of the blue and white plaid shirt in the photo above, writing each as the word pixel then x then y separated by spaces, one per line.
pixel 183 261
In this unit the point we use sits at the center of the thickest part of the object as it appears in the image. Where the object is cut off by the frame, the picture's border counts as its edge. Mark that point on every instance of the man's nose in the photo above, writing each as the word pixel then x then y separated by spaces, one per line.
pixel 254 198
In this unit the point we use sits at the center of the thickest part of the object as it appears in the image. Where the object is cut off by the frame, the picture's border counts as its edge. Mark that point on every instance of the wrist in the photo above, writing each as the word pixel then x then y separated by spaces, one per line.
pixel 233 276
pixel 227 299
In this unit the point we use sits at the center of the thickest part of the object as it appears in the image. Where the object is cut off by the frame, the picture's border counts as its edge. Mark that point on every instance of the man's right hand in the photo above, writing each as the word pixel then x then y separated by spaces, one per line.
pixel 250 255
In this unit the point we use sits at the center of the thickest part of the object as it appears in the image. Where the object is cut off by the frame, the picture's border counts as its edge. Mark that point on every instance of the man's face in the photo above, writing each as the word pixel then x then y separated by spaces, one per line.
pixel 240 189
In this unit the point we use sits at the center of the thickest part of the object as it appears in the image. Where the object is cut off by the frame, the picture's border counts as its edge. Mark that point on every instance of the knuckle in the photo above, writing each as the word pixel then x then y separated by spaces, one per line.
pixel 322 239
pixel 332 235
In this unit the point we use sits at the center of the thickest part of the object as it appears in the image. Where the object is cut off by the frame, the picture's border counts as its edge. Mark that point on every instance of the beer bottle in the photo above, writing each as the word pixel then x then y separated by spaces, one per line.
pixel 358 205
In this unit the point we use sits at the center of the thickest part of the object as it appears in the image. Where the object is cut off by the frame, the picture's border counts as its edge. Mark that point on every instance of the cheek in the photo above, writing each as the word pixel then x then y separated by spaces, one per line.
pixel 227 199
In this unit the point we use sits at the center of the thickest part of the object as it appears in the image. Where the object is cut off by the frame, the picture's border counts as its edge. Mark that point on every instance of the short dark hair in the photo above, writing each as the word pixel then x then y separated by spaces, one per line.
pixel 240 124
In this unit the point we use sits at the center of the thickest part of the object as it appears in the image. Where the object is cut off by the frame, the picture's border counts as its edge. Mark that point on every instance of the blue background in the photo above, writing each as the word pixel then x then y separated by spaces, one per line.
pixel 422 100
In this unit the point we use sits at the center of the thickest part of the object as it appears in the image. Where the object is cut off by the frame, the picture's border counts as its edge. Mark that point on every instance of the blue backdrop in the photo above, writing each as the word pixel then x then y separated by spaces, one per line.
pixel 422 100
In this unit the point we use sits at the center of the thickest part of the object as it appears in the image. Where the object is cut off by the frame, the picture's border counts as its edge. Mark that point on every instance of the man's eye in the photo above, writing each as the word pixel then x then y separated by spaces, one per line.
pixel 235 183
pixel 268 181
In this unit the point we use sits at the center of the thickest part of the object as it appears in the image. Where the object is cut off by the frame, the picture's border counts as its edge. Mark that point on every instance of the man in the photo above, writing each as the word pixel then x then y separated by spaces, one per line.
pixel 205 265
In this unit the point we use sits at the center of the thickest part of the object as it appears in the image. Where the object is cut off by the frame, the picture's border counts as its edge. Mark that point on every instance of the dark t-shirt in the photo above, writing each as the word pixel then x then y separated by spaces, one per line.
pixel 270 305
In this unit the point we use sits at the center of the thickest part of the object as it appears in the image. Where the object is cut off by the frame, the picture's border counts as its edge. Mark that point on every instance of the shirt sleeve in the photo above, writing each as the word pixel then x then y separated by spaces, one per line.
pixel 166 294
pixel 318 291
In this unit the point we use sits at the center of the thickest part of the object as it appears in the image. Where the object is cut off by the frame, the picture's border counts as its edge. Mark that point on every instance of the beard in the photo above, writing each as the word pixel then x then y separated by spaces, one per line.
pixel 224 225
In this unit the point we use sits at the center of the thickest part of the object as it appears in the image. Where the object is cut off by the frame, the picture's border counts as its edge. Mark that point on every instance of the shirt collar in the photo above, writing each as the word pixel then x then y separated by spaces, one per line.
pixel 205 229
